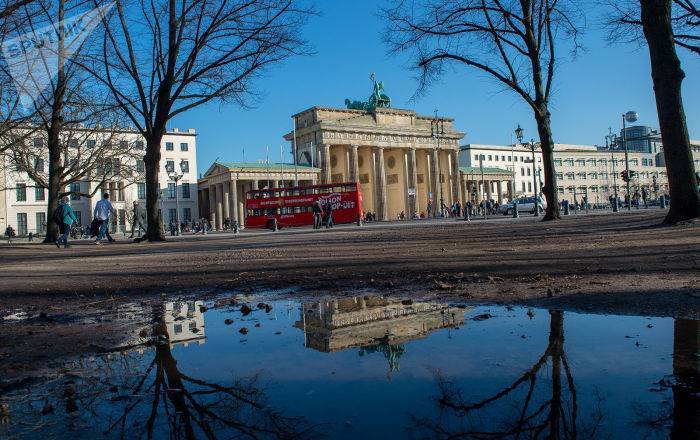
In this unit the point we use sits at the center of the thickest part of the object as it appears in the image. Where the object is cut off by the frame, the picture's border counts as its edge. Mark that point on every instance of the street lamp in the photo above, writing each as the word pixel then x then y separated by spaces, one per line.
pixel 532 146
pixel 175 177
pixel 630 116
pixel 437 128
pixel 611 142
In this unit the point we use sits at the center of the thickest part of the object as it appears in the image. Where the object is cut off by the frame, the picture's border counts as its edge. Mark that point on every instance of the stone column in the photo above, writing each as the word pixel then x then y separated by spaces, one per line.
pixel 354 166
pixel 241 205
pixel 225 198
pixel 212 204
pixel 499 188
pixel 435 184
pixel 511 184
pixel 380 183
pixel 326 163
pixel 465 191
pixel 454 158
pixel 412 182
pixel 488 190
pixel 219 208
pixel 233 201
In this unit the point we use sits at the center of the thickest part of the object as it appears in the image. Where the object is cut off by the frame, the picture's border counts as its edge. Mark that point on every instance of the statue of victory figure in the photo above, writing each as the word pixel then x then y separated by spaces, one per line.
pixel 377 99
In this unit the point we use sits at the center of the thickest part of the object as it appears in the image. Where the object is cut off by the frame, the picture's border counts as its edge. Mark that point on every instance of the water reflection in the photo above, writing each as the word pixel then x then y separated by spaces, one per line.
pixel 686 389
pixel 184 322
pixel 374 324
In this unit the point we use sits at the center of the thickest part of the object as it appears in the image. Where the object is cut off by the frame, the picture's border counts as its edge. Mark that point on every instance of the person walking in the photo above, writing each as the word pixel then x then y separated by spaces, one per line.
pixel 9 234
pixel 103 209
pixel 317 211
pixel 64 218
pixel 329 214
pixel 138 217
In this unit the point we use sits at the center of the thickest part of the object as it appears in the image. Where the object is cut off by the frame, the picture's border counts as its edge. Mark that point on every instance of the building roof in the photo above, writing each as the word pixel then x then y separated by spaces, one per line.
pixel 272 166
pixel 487 170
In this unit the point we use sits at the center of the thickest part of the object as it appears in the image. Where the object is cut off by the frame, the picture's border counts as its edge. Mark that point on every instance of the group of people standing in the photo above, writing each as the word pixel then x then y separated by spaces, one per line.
pixel 323 214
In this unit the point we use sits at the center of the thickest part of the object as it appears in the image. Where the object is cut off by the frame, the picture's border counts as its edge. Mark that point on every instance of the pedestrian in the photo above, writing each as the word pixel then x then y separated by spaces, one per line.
pixel 429 208
pixel 329 214
pixel 468 211
pixel 30 237
pixel 103 209
pixel 137 220
pixel 645 195
pixel 317 211
pixel 64 217
pixel 9 234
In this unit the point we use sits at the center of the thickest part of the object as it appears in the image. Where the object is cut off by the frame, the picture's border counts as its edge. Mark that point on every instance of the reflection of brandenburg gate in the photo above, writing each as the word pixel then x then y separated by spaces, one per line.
pixel 331 325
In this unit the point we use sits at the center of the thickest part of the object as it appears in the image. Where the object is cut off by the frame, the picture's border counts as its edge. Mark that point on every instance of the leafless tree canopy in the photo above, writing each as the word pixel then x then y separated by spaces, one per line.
pixel 499 37
pixel 624 23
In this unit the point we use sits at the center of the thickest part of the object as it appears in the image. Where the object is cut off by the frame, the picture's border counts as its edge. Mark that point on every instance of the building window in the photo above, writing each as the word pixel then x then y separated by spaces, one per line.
pixel 171 190
pixel 138 145
pixel 172 215
pixel 116 166
pixel 569 162
pixel 528 171
pixel 124 145
pixel 91 143
pixel 185 190
pixel 140 166
pixel 570 176
pixel 503 158
pixel 557 162
pixel 476 157
pixel 185 166
pixel 21 223
pixel 187 214
pixel 523 185
pixel 169 146
pixel 38 142
pixel 522 171
pixel 184 146
pixel 490 157
pixel 39 194
pixel 591 162
pixel 39 165
pixel 141 190
pixel 21 192
pixel 560 176
pixel 41 222
pixel 169 165
pixel 581 162
pixel 529 186
pixel 75 188
pixel 634 162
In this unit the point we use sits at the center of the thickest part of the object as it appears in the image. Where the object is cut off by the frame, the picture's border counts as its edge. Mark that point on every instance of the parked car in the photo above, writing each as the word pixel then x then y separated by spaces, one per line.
pixel 525 204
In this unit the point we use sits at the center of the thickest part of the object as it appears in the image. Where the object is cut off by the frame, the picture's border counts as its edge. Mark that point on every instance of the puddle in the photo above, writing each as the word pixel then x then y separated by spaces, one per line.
pixel 378 368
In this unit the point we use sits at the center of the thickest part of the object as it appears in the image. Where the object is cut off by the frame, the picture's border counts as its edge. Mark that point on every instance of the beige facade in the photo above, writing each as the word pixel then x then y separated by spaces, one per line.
pixel 402 160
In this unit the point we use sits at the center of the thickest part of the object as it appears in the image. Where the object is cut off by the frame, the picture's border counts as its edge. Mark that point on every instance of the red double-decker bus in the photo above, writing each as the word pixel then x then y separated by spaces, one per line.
pixel 292 206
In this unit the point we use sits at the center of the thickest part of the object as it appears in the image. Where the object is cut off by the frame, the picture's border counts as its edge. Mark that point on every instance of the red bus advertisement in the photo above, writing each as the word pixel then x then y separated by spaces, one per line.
pixel 292 206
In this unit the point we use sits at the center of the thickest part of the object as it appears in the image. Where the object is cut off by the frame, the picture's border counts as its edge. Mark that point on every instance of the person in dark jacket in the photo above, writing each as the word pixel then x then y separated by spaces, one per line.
pixel 66 217
pixel 317 211
pixel 329 214
pixel 138 219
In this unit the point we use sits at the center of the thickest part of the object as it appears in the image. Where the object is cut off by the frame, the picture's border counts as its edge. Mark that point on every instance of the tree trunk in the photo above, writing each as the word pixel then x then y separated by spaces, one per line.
pixel 549 188
pixel 556 345
pixel 152 163
pixel 667 76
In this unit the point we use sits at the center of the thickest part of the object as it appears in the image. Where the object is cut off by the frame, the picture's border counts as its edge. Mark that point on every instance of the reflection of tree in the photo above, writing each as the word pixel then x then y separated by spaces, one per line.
pixel 554 416
pixel 686 387
pixel 163 401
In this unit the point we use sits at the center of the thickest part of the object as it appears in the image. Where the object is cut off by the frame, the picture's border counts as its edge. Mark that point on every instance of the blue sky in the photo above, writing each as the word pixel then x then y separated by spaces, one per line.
pixel 592 91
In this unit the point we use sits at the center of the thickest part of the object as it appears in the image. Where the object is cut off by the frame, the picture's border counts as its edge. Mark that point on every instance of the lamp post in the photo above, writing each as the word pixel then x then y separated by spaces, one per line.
pixel 612 139
pixel 533 146
pixel 630 116
pixel 437 128
pixel 176 177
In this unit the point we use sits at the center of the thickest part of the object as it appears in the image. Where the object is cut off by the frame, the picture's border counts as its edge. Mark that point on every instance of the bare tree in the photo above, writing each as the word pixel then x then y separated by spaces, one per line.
pixel 71 115
pixel 663 25
pixel 513 42
pixel 165 57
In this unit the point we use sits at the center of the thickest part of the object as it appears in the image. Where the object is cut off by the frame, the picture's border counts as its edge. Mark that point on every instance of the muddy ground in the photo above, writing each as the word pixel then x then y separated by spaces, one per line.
pixel 90 299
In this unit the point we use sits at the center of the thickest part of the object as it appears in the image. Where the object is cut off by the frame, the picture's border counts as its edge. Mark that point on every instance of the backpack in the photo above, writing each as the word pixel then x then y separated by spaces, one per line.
pixel 57 216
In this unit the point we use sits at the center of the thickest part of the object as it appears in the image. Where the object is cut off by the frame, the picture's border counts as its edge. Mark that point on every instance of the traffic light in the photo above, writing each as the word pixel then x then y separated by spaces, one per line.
pixel 625 177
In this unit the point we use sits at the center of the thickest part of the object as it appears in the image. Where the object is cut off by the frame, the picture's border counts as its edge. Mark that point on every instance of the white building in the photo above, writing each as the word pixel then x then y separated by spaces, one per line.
pixel 582 170
pixel 23 204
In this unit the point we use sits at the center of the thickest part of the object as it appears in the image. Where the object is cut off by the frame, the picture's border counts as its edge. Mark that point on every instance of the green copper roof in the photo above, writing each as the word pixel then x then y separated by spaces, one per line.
pixel 487 170
pixel 265 166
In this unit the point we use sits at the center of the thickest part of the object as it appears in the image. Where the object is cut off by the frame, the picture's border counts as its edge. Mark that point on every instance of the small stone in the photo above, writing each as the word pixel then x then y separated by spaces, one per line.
pixel 278 333
pixel 243 331
pixel 245 309
pixel 257 324
pixel 650 325
pixel 228 321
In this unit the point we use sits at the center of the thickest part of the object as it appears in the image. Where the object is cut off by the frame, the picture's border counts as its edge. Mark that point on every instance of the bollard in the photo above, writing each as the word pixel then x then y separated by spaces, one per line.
pixel 274 225
pixel 662 202
pixel 515 210
pixel 359 220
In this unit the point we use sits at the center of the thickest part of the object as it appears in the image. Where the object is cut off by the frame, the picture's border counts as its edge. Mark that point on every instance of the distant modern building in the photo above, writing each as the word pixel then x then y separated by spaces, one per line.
pixel 23 204
pixel 641 138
